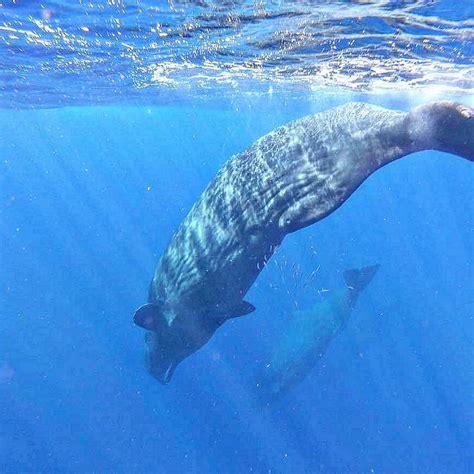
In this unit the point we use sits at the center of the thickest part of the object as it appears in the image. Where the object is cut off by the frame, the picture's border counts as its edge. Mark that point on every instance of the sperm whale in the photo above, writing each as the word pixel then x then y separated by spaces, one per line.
pixel 307 336
pixel 289 179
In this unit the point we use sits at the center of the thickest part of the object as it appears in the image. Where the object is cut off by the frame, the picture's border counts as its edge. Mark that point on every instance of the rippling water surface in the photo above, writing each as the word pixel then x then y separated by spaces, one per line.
pixel 90 197
pixel 121 51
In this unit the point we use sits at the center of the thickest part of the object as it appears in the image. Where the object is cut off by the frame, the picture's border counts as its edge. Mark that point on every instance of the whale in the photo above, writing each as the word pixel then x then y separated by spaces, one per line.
pixel 307 336
pixel 290 178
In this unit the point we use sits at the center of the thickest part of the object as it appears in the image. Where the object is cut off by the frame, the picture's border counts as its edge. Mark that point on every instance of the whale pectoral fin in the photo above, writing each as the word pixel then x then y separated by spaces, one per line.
pixel 242 309
pixel 149 317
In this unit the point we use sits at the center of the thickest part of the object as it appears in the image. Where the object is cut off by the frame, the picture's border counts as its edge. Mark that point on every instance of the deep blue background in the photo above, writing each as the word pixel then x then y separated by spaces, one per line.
pixel 90 198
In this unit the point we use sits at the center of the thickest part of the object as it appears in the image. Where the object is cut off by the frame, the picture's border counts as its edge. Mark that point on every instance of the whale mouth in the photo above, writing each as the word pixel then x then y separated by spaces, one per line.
pixel 164 373
pixel 160 359
pixel 161 365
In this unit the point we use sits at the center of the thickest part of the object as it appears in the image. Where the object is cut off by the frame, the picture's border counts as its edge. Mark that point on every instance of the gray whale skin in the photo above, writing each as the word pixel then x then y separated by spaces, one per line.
pixel 289 179
pixel 308 334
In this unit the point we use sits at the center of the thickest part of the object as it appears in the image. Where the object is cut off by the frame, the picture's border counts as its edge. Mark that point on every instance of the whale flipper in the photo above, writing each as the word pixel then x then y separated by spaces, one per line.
pixel 358 278
pixel 149 317
pixel 242 309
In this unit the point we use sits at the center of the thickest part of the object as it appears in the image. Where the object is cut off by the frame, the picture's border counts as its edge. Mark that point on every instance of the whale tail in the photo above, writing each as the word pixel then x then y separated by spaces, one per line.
pixel 443 126
pixel 358 278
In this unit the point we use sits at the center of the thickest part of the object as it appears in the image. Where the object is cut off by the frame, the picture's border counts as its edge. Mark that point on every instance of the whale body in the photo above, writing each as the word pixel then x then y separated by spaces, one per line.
pixel 307 336
pixel 289 179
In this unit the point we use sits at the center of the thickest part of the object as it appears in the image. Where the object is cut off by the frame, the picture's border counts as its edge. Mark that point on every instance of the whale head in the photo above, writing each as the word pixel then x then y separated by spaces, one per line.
pixel 174 334
pixel 168 341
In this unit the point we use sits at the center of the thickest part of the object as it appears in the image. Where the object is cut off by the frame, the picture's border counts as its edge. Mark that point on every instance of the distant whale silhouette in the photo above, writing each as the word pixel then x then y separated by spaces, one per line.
pixel 289 179
pixel 307 336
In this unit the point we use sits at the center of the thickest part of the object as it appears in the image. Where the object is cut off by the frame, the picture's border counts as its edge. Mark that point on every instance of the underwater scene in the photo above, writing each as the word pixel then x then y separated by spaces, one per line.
pixel 237 236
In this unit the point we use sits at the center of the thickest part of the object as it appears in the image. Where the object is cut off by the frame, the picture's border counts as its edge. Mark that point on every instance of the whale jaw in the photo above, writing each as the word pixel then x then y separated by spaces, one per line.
pixel 170 340
pixel 159 360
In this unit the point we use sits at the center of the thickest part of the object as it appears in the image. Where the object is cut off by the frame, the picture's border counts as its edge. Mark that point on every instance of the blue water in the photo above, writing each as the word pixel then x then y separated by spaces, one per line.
pixel 195 52
pixel 90 196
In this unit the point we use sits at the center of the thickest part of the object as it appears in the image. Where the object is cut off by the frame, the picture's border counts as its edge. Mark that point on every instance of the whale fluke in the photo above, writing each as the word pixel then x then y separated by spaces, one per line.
pixel 358 278
pixel 443 126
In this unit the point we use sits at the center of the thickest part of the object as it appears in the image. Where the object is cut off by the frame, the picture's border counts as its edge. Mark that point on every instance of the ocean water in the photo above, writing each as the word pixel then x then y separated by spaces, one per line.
pixel 115 115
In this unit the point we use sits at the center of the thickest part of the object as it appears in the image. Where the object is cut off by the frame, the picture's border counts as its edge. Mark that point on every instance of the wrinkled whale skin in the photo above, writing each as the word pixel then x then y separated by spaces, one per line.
pixel 289 179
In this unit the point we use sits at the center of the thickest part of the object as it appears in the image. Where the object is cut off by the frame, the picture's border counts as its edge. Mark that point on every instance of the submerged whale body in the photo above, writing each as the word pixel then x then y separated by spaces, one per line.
pixel 289 179
pixel 307 336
